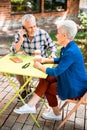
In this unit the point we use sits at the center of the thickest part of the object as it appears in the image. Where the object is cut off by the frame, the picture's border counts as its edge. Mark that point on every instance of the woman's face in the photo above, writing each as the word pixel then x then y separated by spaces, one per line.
pixel 30 26
pixel 61 37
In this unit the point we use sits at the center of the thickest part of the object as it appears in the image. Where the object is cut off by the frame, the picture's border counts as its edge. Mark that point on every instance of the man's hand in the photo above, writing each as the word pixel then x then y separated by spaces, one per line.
pixel 18 45
pixel 21 33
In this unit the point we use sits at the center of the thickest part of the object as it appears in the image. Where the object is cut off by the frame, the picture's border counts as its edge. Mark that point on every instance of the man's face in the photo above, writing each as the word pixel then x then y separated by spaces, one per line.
pixel 30 26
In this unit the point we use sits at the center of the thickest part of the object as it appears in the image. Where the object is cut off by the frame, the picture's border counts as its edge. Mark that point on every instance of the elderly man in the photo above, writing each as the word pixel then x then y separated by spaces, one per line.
pixel 31 38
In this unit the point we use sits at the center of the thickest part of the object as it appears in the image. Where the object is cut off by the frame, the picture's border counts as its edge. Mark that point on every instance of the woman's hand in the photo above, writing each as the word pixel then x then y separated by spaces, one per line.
pixel 39 66
pixel 38 58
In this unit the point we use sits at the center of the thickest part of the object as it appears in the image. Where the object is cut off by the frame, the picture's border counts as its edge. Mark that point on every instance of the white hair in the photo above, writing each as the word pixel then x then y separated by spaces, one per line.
pixel 69 27
pixel 28 17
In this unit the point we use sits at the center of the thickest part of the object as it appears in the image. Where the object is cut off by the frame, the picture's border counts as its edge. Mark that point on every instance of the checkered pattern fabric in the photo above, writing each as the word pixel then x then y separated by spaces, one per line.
pixel 40 41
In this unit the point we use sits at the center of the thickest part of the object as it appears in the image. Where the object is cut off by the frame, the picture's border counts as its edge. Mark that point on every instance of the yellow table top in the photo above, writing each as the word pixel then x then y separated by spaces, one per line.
pixel 8 66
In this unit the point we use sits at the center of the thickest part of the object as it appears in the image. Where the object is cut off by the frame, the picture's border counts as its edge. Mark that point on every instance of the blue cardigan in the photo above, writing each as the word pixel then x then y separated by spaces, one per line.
pixel 70 71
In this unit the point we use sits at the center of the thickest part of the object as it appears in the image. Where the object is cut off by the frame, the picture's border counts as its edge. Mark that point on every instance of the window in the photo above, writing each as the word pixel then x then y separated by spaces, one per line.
pixel 83 4
pixel 35 6
pixel 25 6
pixel 55 5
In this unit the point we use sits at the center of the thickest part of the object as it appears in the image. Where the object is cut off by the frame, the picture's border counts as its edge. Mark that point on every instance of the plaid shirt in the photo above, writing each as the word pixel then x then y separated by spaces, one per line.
pixel 41 41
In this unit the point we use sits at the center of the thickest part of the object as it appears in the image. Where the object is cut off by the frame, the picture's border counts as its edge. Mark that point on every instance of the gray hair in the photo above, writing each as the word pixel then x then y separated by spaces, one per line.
pixel 28 17
pixel 69 27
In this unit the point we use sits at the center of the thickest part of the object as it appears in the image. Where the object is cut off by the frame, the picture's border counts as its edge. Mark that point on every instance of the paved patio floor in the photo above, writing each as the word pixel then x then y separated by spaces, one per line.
pixel 11 121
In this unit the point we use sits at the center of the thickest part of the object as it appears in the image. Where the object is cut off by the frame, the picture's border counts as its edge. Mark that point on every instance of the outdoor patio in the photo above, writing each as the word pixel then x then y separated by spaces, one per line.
pixel 11 121
pixel 9 24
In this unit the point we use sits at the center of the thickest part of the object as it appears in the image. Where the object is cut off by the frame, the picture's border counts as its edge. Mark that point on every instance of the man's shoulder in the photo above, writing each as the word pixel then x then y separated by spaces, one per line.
pixel 41 30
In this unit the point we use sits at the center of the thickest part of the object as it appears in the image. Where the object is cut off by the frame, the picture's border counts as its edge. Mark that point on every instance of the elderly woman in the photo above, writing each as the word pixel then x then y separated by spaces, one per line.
pixel 68 79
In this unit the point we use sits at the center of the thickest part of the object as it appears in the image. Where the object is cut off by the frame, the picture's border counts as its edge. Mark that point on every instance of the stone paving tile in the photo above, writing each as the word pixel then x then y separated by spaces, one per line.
pixel 12 121
pixel 69 125
pixel 79 123
pixel 2 119
pixel 26 127
pixel 17 126
pixel 5 128
pixel 85 124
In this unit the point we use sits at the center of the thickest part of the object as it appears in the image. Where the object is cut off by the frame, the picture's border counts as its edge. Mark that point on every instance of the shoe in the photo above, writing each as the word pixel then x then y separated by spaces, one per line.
pixel 51 116
pixel 25 109
pixel 25 94
pixel 46 110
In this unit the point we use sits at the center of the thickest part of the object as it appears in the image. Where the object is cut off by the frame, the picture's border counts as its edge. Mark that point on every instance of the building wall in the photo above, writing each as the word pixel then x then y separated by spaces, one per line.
pixel 11 21
pixel 83 6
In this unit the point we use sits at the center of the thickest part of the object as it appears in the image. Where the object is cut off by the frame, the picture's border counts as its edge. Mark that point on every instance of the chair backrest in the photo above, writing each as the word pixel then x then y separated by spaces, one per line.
pixel 82 100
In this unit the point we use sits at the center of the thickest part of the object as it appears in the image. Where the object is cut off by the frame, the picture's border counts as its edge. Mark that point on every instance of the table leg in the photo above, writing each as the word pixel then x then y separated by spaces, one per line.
pixel 17 94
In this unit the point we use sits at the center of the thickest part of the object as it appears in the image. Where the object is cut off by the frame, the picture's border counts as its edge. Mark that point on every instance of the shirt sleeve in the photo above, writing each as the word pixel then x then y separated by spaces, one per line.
pixel 56 60
pixel 50 44
pixel 16 39
pixel 64 63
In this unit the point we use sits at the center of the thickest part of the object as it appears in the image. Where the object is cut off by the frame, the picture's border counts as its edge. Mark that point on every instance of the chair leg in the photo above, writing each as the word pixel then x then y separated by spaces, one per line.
pixel 72 111
pixel 62 114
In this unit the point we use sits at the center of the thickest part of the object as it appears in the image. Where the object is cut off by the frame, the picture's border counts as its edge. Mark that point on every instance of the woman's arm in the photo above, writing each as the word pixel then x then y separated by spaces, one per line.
pixel 38 64
pixel 47 60
pixel 43 60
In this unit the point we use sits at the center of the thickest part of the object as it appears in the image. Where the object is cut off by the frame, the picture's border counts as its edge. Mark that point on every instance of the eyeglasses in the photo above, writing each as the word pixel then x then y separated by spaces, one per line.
pixel 26 65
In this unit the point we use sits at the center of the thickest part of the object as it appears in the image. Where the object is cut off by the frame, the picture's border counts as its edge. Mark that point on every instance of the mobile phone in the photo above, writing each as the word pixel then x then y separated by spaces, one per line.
pixel 25 31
